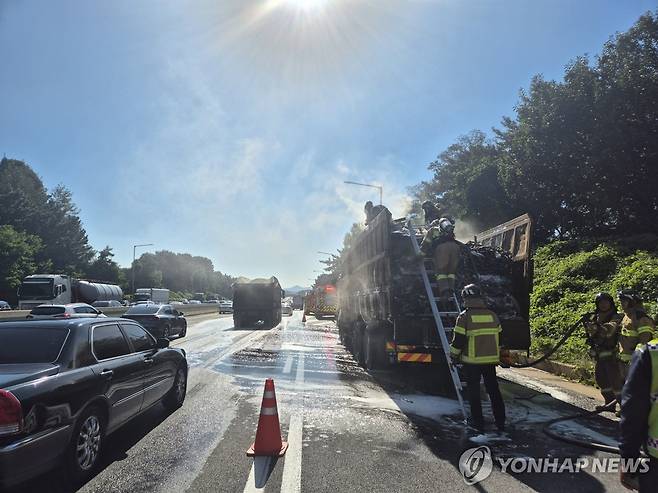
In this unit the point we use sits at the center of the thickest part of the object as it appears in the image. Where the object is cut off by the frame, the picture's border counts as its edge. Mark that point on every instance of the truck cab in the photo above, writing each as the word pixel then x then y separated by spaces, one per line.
pixel 44 289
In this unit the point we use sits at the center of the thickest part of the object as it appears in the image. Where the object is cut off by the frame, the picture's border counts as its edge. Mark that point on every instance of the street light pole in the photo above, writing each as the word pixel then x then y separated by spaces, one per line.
pixel 378 187
pixel 133 266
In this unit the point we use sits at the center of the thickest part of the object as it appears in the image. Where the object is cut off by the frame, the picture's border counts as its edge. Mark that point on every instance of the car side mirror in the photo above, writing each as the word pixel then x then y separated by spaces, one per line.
pixel 163 343
pixel 180 314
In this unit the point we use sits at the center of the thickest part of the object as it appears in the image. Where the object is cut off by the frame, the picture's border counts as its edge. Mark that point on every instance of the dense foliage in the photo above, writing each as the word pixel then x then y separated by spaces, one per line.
pixel 580 155
pixel 568 274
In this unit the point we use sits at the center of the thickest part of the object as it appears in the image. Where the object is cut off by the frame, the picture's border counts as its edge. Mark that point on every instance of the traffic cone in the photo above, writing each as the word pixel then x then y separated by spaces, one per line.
pixel 268 435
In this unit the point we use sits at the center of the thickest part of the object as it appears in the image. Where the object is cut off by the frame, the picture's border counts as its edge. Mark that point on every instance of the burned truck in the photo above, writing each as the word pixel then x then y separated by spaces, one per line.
pixel 384 315
pixel 257 302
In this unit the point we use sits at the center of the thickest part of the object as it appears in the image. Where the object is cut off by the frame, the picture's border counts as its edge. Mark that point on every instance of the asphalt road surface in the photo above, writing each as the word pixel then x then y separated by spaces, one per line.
pixel 347 430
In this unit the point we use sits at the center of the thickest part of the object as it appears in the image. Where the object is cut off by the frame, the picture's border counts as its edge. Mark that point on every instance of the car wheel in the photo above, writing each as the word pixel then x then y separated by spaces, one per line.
pixel 176 396
pixel 183 331
pixel 86 444
pixel 166 332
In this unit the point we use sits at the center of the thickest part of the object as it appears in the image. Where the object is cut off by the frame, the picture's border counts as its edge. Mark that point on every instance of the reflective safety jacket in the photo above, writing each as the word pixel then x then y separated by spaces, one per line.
pixel 652 439
pixel 636 328
pixel 476 337
pixel 603 333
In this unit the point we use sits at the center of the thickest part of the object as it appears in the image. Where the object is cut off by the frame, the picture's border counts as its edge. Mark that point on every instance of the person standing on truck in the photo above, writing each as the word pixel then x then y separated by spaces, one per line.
pixel 431 212
pixel 440 242
pixel 636 326
pixel 639 418
pixel 602 328
pixel 372 211
pixel 476 344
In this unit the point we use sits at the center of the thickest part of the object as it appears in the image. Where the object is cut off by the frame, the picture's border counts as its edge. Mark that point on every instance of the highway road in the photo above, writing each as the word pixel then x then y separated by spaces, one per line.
pixel 347 430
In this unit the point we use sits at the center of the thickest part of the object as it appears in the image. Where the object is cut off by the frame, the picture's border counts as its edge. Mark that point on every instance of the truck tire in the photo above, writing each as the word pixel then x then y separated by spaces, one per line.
pixel 374 351
pixel 358 344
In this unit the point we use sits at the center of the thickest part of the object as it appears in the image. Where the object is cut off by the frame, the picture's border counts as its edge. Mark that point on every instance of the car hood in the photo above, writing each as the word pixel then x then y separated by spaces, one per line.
pixel 11 375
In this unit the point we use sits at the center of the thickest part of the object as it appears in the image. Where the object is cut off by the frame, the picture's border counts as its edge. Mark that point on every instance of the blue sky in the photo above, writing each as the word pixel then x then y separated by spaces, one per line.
pixel 226 128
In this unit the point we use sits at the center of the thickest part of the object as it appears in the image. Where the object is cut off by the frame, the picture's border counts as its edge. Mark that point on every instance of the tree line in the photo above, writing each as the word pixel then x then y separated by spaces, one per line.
pixel 580 155
pixel 41 232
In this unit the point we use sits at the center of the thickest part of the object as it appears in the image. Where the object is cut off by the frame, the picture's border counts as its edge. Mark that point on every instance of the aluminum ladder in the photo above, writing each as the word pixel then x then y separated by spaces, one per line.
pixel 437 319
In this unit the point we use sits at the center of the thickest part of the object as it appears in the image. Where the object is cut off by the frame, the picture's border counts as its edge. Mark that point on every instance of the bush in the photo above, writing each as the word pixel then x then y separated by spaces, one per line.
pixel 568 274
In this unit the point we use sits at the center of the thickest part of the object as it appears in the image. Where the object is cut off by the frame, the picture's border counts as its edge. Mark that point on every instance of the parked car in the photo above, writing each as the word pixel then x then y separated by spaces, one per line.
pixel 72 310
pixel 67 384
pixel 107 304
pixel 4 306
pixel 286 308
pixel 194 302
pixel 160 320
pixel 225 306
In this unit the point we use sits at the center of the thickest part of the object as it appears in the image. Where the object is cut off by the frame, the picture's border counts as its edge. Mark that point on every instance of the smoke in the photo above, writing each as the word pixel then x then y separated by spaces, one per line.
pixel 465 230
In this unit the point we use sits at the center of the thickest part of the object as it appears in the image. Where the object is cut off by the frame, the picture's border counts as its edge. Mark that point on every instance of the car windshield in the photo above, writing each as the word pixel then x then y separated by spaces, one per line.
pixel 31 344
pixel 48 310
pixel 143 310
pixel 36 290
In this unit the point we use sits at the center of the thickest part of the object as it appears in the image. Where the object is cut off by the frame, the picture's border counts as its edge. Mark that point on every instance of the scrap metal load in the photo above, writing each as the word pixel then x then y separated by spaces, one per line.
pixel 384 314
pixel 257 302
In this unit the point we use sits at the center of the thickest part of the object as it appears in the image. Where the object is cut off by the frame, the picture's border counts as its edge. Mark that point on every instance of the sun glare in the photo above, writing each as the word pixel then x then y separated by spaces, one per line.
pixel 306 5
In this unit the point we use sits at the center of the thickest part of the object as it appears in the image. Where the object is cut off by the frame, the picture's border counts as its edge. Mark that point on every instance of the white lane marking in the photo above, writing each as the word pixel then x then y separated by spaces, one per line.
pixel 258 473
pixel 291 481
pixel 288 367
pixel 300 371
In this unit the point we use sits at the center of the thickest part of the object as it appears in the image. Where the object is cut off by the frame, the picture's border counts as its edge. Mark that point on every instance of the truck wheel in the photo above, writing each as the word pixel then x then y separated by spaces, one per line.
pixel 375 356
pixel 359 353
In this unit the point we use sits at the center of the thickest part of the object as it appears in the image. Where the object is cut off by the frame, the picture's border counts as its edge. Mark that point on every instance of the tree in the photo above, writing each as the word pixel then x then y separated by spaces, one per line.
pixel 103 268
pixel 18 258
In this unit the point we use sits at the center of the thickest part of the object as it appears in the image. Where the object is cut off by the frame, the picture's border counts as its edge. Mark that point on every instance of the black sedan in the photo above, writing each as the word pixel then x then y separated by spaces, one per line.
pixel 66 384
pixel 160 320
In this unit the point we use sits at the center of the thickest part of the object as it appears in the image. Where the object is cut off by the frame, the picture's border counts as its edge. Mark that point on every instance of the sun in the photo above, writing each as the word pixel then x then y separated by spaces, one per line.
pixel 307 5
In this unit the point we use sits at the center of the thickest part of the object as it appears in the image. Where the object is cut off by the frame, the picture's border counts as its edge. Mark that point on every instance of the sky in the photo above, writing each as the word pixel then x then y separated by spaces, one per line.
pixel 226 128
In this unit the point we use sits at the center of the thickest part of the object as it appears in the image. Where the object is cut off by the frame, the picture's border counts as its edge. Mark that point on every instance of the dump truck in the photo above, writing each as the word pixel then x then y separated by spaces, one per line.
pixel 321 301
pixel 60 289
pixel 384 317
pixel 257 302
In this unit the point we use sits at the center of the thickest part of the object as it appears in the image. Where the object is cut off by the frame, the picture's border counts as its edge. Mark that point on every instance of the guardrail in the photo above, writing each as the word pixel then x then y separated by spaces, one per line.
pixel 188 311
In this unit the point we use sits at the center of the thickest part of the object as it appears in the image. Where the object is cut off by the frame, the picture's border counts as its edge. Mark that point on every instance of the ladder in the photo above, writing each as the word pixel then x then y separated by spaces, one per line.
pixel 437 319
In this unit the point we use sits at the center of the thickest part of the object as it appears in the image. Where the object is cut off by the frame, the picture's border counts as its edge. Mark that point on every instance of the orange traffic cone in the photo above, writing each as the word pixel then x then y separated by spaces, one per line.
pixel 268 435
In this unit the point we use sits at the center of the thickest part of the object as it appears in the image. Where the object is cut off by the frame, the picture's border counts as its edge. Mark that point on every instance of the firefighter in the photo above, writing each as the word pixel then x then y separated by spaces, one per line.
pixel 372 211
pixel 431 211
pixel 636 326
pixel 639 417
pixel 440 241
pixel 602 328
pixel 475 343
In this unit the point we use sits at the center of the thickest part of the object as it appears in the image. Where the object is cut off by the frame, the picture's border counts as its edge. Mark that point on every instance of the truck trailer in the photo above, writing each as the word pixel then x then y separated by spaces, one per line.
pixel 156 295
pixel 257 301
pixel 384 315
pixel 59 289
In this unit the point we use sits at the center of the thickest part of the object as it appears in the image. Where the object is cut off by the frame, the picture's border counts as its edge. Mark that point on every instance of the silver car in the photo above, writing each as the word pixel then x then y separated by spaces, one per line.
pixel 71 310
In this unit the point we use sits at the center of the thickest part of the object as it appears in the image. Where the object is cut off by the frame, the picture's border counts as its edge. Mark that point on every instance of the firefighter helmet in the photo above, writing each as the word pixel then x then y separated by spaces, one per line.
pixel 629 295
pixel 446 225
pixel 471 291
pixel 603 296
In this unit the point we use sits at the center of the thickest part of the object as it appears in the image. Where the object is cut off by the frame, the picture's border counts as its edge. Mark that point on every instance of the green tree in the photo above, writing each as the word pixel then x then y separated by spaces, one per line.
pixel 104 268
pixel 19 254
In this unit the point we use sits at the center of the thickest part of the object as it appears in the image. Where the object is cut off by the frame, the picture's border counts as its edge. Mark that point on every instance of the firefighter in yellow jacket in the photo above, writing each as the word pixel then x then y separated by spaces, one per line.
pixel 602 328
pixel 637 327
pixel 476 344
pixel 446 250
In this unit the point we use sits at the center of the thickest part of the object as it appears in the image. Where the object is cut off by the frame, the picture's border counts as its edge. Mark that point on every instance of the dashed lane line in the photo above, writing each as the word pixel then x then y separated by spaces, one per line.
pixel 288 365
pixel 292 469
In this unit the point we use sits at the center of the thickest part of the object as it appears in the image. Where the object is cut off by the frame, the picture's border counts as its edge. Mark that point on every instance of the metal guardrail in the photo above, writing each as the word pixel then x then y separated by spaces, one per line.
pixel 188 311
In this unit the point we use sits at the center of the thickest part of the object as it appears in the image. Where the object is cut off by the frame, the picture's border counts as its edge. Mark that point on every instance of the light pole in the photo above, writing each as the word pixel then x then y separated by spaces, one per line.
pixel 327 253
pixel 378 187
pixel 133 266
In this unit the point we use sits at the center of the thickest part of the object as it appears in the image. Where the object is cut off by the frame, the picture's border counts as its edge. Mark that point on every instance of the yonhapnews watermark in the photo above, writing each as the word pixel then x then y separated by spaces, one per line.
pixel 476 465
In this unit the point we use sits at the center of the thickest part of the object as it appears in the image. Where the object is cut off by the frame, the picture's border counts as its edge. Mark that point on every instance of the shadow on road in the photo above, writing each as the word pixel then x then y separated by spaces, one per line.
pixel 116 449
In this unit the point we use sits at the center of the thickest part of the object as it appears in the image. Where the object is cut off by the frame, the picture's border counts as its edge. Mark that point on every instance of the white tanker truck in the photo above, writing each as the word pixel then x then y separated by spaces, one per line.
pixel 59 289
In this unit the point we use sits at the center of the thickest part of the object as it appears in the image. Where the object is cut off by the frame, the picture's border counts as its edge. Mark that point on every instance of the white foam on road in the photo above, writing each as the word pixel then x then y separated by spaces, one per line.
pixel 292 469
